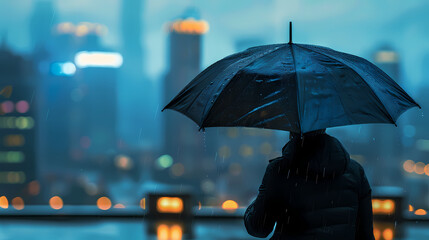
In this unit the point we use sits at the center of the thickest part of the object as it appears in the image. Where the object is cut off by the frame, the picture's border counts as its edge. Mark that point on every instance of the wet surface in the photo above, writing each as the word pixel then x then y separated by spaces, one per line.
pixel 107 229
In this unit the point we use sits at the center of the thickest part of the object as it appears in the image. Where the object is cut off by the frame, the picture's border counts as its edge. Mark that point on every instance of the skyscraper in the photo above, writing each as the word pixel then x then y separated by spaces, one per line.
pixel 78 96
pixel 41 21
pixel 387 139
pixel 136 93
pixel 189 148
pixel 18 124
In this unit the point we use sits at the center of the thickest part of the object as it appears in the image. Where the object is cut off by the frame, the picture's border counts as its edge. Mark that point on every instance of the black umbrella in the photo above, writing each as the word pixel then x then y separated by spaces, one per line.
pixel 293 87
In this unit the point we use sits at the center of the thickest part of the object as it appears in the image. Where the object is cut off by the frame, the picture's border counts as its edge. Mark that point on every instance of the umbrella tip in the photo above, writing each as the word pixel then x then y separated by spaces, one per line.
pixel 290 32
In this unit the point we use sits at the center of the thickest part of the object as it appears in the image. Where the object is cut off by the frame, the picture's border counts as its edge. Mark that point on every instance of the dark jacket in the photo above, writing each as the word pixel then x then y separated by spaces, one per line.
pixel 314 191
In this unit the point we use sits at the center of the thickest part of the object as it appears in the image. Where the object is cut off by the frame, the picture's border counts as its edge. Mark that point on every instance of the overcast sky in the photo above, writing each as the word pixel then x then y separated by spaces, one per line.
pixel 354 26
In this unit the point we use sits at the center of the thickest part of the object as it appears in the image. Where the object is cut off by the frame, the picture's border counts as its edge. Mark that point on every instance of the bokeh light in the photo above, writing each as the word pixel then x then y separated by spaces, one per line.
pixel 177 169
pixel 420 212
pixel 169 205
pixel 164 161
pixel 377 233
pixel 119 205
pixel 56 202
pixel 7 106
pixel 387 234
pixel 143 203
pixel 123 162
pixel 4 203
pixel 246 150
pixel 104 203
pixel 409 166
pixel 419 168
pixel 229 205
pixel 34 188
pixel 18 203
pixel 22 106
pixel 162 232
pixel 224 152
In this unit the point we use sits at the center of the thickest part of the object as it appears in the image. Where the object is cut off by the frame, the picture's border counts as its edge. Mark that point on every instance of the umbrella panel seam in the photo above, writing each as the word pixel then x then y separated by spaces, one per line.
pixel 372 90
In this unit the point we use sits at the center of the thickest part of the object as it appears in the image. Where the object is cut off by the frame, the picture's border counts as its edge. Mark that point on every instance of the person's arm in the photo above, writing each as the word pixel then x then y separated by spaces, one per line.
pixel 364 225
pixel 260 217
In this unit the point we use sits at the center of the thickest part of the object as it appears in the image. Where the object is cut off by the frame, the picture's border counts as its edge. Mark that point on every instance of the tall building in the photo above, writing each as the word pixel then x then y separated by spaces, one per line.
pixel 41 21
pixel 137 97
pixel 18 124
pixel 85 73
pixel 386 141
pixel 192 151
pixel 78 109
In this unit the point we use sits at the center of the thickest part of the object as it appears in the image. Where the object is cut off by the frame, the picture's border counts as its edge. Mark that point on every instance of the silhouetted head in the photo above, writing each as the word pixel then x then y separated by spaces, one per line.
pixel 293 135
pixel 315 153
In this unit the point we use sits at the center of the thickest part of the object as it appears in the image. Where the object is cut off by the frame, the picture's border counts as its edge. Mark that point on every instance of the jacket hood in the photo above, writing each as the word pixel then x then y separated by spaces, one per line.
pixel 320 156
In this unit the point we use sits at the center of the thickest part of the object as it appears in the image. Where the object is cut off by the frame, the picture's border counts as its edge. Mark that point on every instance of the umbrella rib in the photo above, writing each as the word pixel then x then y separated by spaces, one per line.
pixel 372 91
pixel 226 85
pixel 297 86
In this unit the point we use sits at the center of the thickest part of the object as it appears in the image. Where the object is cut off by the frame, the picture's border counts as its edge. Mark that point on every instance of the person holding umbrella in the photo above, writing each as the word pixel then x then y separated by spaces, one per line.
pixel 314 190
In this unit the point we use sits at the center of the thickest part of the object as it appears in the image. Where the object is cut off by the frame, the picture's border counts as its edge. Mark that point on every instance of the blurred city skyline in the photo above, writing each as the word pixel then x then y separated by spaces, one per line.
pixel 360 26
pixel 103 124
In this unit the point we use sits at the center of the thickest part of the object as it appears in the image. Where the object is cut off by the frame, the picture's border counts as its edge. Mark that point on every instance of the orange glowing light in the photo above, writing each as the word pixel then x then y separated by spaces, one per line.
pixel 65 27
pixel 169 205
pixel 420 212
pixel 410 208
pixel 104 203
pixel 190 26
pixel 419 168
pixel 56 202
pixel 34 188
pixel 4 203
pixel 123 162
pixel 119 205
pixel 143 203
pixel 426 169
pixel 175 232
pixel 162 232
pixel 377 233
pixel 408 166
pixel 14 140
pixel 82 30
pixel 384 207
pixel 388 234
pixel 199 205
pixel 18 203
pixel 229 205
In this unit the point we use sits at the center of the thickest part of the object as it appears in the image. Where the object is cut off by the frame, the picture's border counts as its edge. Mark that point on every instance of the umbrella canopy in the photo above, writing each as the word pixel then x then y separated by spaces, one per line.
pixel 292 87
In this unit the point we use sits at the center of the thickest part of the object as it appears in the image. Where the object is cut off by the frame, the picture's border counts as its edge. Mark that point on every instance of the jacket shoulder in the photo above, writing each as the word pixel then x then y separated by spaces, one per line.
pixel 356 167
pixel 357 170
pixel 275 160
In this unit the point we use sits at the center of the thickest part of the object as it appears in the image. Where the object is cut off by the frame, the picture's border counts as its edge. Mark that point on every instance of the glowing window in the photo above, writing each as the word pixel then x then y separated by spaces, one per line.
pixel 169 205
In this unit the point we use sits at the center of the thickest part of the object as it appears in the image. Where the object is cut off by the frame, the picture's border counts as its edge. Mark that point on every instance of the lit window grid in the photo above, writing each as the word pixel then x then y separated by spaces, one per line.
pixel 20 123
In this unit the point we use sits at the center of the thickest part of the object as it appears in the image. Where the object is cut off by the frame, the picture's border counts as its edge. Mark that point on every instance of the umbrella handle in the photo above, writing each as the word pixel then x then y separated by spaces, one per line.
pixel 290 32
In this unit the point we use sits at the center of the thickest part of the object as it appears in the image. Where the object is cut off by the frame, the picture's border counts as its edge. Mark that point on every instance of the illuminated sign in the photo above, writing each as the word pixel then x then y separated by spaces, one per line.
pixel 98 59
pixel 383 206
pixel 169 205
pixel 189 26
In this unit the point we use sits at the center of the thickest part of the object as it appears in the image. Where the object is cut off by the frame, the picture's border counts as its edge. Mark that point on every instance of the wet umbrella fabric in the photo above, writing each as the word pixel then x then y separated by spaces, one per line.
pixel 292 87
